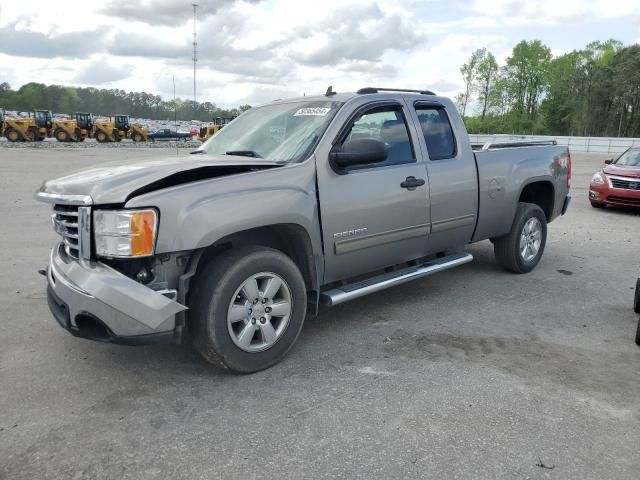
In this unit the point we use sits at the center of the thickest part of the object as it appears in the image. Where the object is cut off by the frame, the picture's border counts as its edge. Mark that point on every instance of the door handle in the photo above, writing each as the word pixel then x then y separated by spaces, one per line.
pixel 412 183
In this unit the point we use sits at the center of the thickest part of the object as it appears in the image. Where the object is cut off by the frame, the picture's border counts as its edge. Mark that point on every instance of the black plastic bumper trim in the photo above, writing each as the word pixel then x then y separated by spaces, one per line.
pixel 565 207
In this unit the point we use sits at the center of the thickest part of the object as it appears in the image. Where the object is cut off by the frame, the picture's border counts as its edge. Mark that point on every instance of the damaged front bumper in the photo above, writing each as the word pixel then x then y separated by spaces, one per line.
pixel 94 301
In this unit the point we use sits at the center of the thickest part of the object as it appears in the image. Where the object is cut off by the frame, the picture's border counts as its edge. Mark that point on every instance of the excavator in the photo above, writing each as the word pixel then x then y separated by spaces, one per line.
pixel 214 127
pixel 135 132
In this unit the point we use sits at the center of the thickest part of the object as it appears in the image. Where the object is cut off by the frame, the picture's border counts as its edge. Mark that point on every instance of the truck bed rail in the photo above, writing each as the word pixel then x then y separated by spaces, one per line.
pixel 512 144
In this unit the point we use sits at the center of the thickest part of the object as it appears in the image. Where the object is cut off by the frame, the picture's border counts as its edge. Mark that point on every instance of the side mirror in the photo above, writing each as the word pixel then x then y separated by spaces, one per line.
pixel 608 161
pixel 360 151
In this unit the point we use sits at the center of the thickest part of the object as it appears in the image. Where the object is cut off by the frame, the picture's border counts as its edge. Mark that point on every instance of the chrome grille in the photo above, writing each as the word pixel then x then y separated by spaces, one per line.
pixel 625 184
pixel 65 223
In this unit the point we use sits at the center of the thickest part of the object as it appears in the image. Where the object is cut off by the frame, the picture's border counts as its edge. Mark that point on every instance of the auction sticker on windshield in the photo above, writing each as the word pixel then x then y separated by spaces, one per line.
pixel 312 112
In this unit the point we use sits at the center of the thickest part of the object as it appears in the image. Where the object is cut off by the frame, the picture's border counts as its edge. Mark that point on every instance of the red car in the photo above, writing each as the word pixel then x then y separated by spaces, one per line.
pixel 619 182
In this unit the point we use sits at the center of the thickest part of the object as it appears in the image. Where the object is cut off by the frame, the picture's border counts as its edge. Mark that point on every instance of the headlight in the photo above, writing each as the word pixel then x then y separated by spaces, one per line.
pixel 125 233
pixel 597 178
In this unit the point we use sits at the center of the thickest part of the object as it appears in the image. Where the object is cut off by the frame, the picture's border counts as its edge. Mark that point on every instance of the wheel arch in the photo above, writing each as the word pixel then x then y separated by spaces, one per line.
pixel 289 238
pixel 539 192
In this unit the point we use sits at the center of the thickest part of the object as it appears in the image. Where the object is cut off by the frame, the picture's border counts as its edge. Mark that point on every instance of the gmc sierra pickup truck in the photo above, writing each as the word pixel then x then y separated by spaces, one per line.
pixel 295 204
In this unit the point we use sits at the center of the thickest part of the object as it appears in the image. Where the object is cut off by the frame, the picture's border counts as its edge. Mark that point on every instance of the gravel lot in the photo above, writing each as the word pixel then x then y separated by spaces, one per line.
pixel 473 373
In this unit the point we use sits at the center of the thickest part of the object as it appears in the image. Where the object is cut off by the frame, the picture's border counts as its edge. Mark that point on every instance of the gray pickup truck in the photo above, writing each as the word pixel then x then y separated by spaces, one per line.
pixel 296 204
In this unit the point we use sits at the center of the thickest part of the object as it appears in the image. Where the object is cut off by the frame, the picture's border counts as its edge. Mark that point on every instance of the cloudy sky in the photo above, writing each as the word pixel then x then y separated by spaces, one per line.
pixel 252 51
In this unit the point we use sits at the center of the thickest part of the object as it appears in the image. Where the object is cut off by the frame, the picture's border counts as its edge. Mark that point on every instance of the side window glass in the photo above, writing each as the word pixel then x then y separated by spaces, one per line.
pixel 389 125
pixel 437 131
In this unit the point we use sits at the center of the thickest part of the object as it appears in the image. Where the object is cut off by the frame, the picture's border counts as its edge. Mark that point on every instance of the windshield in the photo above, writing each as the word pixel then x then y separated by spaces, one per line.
pixel 285 133
pixel 630 158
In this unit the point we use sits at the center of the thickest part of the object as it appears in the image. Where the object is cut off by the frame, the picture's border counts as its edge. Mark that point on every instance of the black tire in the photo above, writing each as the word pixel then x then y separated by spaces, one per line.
pixel 33 134
pixel 636 298
pixel 137 137
pixel 12 135
pixel 101 137
pixel 61 135
pixel 638 333
pixel 507 248
pixel 598 205
pixel 215 288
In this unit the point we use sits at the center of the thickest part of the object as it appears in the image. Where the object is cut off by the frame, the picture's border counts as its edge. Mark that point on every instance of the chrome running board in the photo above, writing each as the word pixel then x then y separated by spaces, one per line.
pixel 348 292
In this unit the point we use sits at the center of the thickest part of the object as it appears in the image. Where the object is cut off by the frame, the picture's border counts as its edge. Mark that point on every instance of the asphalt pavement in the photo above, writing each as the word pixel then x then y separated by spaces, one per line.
pixel 472 373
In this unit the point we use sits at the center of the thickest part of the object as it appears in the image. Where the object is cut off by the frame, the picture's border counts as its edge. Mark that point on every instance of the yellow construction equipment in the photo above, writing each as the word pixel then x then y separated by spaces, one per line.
pixel 27 129
pixel 39 127
pixel 84 121
pixel 102 130
pixel 1 122
pixel 105 131
pixel 214 127
pixel 62 130
pixel 135 132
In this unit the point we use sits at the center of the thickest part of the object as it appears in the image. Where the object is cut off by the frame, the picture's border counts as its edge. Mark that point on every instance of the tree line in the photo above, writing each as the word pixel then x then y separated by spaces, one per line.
pixel 590 92
pixel 107 102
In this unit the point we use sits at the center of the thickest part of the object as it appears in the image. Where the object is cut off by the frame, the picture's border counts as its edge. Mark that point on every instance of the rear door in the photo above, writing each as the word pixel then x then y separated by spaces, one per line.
pixel 453 182
pixel 369 219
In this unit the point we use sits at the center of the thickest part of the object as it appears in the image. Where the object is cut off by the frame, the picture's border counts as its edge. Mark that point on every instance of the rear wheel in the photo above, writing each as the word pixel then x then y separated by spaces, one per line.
pixel 33 134
pixel 247 308
pixel 12 135
pixel 521 250
pixel 61 135
pixel 101 137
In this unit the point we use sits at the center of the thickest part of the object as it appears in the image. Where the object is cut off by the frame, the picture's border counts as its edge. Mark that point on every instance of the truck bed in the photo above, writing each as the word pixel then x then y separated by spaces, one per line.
pixel 504 170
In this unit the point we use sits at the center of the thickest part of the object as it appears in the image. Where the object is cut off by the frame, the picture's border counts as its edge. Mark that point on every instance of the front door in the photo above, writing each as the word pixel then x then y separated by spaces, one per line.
pixel 375 216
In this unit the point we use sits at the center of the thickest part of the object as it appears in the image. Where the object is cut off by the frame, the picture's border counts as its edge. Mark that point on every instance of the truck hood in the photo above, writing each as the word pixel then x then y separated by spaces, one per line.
pixel 116 184
pixel 614 169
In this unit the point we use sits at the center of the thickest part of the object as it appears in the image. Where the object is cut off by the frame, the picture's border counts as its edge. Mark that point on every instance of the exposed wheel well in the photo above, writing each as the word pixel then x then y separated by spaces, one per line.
pixel 290 239
pixel 540 193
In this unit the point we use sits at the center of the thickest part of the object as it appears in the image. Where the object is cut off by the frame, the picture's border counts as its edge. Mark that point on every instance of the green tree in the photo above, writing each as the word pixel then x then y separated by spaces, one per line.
pixel 526 71
pixel 486 77
pixel 469 72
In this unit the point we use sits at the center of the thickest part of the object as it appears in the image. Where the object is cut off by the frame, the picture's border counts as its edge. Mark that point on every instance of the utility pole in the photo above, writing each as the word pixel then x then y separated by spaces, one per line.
pixel 195 54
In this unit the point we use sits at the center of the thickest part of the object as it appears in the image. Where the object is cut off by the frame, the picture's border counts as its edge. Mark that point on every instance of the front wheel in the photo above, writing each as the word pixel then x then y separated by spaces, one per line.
pixel 61 135
pixel 521 249
pixel 247 308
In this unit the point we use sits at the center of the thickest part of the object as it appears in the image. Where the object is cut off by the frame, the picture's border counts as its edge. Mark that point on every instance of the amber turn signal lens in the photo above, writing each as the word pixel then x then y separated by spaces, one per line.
pixel 143 226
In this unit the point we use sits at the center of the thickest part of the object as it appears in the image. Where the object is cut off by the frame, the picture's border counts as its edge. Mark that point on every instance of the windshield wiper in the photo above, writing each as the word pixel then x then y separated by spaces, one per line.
pixel 243 153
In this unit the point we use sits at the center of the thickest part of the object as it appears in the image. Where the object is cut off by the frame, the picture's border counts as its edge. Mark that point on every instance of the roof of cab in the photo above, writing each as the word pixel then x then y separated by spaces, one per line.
pixel 346 96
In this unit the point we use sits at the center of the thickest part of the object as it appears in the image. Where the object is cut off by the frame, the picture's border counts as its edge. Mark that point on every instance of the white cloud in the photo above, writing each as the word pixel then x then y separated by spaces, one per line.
pixel 257 50
pixel 553 11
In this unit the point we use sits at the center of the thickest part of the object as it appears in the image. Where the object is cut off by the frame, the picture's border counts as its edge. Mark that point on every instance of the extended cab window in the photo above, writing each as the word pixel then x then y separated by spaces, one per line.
pixel 389 125
pixel 437 131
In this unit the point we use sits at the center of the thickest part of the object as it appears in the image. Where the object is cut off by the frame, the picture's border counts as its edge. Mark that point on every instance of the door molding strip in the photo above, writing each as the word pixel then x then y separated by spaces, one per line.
pixel 451 223
pixel 349 245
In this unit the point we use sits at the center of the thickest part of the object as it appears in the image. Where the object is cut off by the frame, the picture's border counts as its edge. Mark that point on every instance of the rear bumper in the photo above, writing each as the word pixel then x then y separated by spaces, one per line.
pixel 91 300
